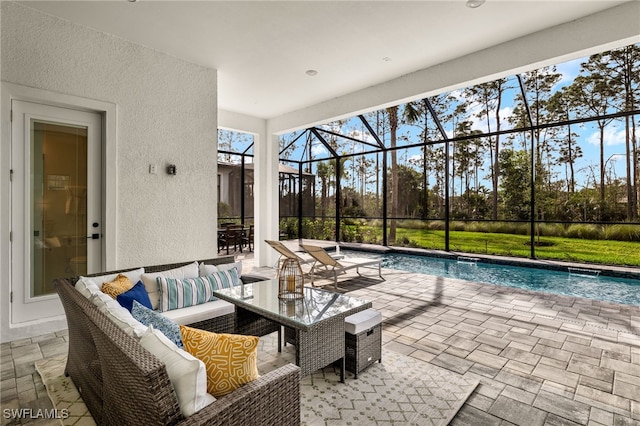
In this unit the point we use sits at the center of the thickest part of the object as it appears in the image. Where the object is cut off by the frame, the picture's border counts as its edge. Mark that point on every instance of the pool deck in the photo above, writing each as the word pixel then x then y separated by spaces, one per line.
pixel 541 359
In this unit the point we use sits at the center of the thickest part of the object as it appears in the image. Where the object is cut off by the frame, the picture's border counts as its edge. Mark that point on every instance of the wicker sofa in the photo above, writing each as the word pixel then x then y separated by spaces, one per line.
pixel 124 384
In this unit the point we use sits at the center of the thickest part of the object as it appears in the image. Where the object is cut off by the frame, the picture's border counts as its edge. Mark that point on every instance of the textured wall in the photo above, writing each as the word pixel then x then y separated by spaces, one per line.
pixel 166 113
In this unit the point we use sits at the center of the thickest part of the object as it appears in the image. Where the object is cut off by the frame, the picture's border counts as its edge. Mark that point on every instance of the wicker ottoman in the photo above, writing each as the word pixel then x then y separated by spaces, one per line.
pixel 363 340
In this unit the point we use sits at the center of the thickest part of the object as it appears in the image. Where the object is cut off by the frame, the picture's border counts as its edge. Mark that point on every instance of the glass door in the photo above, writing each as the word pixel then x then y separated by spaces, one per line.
pixel 60 190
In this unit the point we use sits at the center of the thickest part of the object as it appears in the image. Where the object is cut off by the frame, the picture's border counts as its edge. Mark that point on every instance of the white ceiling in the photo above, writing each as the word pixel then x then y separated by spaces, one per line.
pixel 262 49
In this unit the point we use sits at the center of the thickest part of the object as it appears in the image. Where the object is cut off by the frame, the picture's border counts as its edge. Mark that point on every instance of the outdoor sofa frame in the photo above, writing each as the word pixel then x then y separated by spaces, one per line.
pixel 123 384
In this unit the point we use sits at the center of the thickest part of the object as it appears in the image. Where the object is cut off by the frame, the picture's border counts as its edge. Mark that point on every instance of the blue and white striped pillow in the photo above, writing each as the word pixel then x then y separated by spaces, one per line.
pixel 225 279
pixel 176 293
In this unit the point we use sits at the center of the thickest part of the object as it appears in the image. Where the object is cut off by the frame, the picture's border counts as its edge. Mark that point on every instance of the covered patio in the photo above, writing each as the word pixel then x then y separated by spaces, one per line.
pixel 164 78
pixel 540 359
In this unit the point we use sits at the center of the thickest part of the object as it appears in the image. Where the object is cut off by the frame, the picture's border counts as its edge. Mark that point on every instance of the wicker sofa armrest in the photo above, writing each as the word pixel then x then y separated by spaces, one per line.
pixel 136 388
pixel 247 279
pixel 272 399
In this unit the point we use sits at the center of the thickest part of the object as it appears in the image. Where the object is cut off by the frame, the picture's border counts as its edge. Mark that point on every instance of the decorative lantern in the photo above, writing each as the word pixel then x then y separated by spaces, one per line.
pixel 292 308
pixel 290 280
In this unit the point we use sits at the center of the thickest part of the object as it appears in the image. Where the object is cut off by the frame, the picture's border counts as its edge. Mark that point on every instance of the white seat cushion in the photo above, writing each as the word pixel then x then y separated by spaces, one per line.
pixel 197 313
pixel 362 321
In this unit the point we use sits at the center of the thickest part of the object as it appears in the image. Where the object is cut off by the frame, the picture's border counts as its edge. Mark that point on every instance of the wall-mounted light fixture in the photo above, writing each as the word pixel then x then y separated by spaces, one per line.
pixel 171 169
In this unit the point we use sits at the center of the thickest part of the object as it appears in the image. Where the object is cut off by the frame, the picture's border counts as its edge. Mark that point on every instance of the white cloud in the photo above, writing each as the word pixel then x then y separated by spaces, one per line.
pixel 613 136
pixel 318 150
pixel 569 71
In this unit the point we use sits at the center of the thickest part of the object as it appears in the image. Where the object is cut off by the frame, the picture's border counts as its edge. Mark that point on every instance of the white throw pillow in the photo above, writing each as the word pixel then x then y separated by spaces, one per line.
pixel 208 269
pixel 134 275
pixel 187 373
pixel 101 299
pixel 119 315
pixel 87 287
pixel 151 284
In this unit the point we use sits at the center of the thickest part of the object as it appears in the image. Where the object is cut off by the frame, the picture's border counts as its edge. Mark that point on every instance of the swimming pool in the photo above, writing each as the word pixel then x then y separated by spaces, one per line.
pixel 577 283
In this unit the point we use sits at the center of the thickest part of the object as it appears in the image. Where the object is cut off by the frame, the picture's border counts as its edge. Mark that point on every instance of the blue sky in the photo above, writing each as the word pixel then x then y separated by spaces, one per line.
pixel 585 167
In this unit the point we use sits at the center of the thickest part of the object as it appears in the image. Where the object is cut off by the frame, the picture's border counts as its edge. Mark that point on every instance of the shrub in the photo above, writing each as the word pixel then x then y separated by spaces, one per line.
pixel 224 210
pixel 516 228
pixel 412 224
pixel 622 232
pixel 476 227
pixel 436 225
pixel 585 230
pixel 550 229
pixel 457 226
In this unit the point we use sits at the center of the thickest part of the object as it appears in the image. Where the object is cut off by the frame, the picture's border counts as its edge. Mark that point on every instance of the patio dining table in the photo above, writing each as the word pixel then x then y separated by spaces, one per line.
pixel 315 322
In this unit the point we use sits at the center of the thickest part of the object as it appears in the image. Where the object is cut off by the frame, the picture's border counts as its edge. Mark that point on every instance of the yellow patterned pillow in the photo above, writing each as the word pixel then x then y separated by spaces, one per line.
pixel 231 360
pixel 119 285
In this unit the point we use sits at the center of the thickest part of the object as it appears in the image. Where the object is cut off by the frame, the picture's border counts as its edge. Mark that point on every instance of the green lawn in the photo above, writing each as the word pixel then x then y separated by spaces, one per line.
pixel 557 248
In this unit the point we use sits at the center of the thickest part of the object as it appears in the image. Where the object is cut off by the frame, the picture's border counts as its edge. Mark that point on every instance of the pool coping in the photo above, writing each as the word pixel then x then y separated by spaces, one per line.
pixel 555 265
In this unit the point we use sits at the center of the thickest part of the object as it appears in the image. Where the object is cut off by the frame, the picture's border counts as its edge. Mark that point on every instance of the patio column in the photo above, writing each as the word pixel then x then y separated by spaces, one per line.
pixel 266 201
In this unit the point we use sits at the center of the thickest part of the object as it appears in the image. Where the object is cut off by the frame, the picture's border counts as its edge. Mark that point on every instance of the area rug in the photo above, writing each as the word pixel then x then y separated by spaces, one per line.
pixel 64 396
pixel 399 391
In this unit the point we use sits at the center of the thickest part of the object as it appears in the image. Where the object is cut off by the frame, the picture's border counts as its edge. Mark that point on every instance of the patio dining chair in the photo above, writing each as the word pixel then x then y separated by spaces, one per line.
pixel 232 236
pixel 247 237
pixel 325 263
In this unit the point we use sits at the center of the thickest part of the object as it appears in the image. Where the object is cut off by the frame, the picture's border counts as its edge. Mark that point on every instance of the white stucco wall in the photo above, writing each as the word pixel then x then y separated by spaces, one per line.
pixel 266 150
pixel 166 113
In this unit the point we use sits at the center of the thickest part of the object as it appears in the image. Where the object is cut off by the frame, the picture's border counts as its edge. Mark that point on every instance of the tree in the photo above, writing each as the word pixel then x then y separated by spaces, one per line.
pixel 392 115
pixel 226 141
pixel 363 171
pixel 418 113
pixel 570 151
pixel 489 97
pixel 515 190
pixel 592 95
pixel 538 85
pixel 621 68
pixel 465 151
pixel 322 172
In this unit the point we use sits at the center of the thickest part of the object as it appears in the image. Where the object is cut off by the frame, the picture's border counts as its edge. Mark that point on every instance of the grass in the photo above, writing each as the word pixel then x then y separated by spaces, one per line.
pixel 606 252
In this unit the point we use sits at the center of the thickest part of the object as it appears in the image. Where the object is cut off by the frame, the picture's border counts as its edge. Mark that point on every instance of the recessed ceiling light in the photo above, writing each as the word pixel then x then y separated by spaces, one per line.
pixel 311 73
pixel 475 3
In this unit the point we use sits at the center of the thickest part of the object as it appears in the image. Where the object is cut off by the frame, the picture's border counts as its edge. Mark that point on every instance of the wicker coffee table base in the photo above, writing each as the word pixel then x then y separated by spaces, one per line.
pixel 322 344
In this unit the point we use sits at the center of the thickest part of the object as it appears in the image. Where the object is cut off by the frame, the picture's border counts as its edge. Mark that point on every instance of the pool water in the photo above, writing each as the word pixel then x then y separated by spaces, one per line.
pixel 577 283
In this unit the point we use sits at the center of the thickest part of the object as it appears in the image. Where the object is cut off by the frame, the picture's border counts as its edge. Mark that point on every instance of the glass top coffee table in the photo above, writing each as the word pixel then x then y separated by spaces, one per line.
pixel 314 324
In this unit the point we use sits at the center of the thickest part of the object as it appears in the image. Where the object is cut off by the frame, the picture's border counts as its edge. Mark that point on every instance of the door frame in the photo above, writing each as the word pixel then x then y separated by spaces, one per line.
pixel 9 92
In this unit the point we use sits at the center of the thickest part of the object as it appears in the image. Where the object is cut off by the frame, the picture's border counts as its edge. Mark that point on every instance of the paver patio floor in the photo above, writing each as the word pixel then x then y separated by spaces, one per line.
pixel 541 359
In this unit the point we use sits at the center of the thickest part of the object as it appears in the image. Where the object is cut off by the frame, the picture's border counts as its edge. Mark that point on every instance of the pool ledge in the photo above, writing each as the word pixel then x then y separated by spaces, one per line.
pixel 556 265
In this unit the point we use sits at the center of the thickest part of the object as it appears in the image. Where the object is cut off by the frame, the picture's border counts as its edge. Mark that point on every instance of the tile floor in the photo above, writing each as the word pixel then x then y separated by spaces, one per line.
pixel 541 359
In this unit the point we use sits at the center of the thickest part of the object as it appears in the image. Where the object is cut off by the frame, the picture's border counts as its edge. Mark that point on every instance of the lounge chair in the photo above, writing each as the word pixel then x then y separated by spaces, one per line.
pixel 286 253
pixel 323 259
